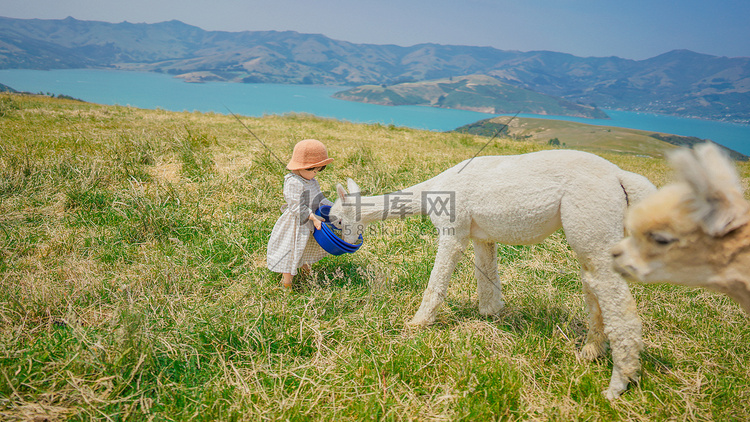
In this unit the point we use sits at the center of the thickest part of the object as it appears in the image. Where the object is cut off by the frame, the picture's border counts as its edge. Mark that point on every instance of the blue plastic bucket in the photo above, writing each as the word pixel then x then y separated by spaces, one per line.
pixel 327 239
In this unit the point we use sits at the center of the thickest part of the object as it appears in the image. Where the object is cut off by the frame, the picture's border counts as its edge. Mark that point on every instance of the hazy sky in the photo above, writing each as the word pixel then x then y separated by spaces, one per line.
pixel 634 29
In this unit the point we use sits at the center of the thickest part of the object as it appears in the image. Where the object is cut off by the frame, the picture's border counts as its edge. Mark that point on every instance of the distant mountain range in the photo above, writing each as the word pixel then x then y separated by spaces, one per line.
pixel 680 82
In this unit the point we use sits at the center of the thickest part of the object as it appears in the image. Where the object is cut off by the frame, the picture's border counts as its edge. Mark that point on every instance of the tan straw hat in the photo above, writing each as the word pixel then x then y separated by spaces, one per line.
pixel 307 154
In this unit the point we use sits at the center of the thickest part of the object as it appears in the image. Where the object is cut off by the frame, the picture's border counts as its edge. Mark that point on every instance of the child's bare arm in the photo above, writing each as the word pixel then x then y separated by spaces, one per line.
pixel 317 221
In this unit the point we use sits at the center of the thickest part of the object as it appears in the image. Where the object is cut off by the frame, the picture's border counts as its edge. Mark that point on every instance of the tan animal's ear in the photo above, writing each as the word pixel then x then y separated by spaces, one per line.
pixel 341 192
pixel 353 187
pixel 718 205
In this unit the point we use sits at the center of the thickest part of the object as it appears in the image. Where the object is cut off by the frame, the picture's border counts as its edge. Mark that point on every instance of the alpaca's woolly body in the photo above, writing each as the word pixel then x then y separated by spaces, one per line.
pixel 522 200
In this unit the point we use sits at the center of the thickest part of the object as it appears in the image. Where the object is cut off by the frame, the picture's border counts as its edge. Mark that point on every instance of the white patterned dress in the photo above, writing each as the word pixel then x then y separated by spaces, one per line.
pixel 291 244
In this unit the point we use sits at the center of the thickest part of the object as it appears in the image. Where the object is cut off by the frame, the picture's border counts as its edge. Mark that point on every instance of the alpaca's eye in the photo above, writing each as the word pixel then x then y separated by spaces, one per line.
pixel 662 239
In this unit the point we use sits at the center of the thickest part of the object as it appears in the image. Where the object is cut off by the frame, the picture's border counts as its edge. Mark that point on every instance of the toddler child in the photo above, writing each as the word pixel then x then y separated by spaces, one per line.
pixel 291 245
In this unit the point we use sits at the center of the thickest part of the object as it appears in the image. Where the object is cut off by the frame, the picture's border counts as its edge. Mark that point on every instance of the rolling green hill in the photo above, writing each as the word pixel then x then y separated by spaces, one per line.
pixel 475 92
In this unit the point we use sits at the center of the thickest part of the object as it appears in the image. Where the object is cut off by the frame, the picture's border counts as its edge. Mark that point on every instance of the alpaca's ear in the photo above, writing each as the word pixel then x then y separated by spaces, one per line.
pixel 353 187
pixel 718 203
pixel 342 192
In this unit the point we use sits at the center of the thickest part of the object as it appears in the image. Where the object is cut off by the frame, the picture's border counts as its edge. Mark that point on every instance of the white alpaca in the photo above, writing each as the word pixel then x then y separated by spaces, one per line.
pixel 521 200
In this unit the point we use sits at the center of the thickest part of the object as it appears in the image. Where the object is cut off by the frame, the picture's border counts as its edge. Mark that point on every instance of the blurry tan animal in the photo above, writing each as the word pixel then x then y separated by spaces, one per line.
pixel 693 232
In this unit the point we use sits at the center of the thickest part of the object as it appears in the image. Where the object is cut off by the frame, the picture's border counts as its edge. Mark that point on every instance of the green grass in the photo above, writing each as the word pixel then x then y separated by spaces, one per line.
pixel 133 286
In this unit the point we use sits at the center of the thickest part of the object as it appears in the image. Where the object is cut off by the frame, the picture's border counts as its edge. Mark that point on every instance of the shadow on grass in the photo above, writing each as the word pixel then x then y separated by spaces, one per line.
pixel 518 319
pixel 335 273
pixel 326 274
pixel 656 362
pixel 532 315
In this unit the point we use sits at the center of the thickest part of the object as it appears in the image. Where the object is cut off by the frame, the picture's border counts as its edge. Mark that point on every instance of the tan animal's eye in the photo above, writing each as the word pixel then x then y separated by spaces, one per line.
pixel 661 238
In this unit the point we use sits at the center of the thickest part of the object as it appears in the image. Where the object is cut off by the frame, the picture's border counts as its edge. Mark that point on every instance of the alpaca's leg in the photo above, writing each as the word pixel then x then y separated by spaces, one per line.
pixel 489 291
pixel 621 325
pixel 595 338
pixel 450 249
pixel 592 217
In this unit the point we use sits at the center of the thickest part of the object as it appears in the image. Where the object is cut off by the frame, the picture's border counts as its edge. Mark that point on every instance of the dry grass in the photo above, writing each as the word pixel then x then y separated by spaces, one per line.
pixel 133 287
pixel 592 138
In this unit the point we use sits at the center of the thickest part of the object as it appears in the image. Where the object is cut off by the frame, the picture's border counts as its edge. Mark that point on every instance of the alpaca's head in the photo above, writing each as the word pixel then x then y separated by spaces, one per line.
pixel 685 232
pixel 346 212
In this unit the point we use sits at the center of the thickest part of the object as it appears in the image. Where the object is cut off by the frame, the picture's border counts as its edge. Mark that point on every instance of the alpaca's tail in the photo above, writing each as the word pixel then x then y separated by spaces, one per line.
pixel 635 186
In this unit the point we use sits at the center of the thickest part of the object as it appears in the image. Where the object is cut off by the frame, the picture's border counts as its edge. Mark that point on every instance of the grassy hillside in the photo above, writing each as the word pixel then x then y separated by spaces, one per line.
pixel 475 92
pixel 133 287
pixel 591 138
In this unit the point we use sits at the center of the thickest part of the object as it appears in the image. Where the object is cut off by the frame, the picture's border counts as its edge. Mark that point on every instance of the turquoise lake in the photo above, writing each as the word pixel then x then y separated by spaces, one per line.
pixel 153 90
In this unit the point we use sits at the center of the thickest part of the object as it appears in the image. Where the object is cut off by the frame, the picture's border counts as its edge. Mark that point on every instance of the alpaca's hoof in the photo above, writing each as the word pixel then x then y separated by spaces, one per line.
pixel 611 395
pixel 420 320
pixel 416 323
pixel 617 385
pixel 493 309
pixel 591 352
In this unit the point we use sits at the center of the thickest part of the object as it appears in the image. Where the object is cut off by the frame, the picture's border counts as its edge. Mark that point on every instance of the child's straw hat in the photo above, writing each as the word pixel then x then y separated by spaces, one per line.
pixel 307 154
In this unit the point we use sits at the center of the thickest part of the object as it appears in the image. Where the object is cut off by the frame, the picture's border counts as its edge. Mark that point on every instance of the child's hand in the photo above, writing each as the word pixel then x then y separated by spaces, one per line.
pixel 317 221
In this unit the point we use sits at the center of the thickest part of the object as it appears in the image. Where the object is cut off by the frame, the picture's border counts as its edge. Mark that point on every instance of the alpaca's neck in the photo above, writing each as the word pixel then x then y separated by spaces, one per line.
pixel 735 283
pixel 735 279
pixel 740 291
pixel 400 204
